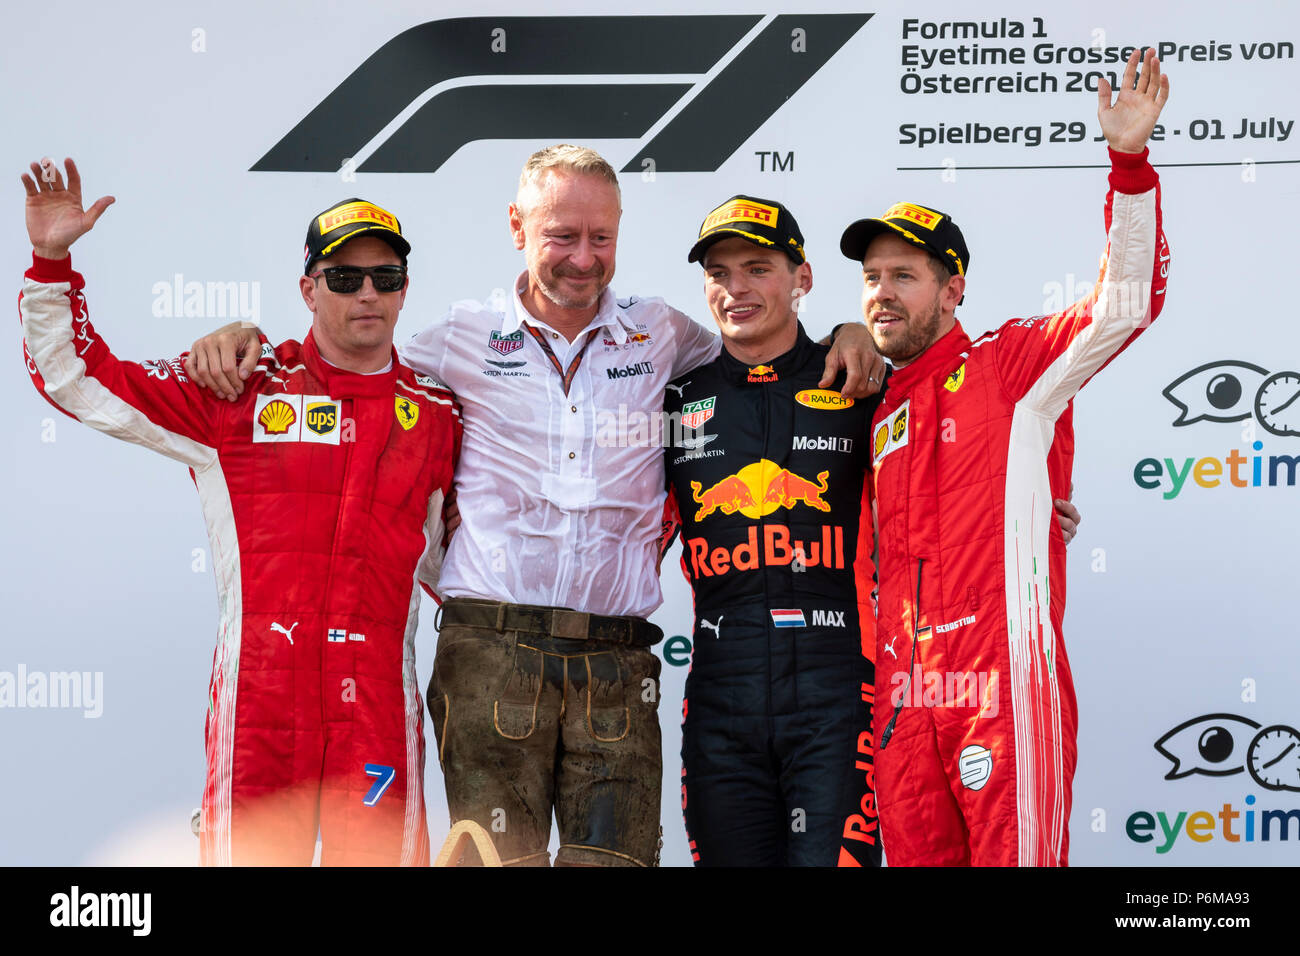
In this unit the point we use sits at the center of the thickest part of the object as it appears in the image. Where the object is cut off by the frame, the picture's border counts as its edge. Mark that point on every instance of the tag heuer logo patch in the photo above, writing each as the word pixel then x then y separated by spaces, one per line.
pixel 505 344
pixel 695 414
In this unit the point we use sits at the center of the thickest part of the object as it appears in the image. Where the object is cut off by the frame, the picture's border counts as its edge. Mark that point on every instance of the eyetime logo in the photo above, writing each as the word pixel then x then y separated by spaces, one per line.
pixel 1223 745
pixel 1228 391
pixel 1222 392
pixel 1164 828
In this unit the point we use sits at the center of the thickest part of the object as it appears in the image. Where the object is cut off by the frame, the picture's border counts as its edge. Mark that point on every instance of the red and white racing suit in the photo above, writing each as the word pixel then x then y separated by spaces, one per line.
pixel 971 444
pixel 322 490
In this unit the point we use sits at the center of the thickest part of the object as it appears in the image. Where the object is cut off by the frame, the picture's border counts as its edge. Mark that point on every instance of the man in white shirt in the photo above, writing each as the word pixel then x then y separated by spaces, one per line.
pixel 544 692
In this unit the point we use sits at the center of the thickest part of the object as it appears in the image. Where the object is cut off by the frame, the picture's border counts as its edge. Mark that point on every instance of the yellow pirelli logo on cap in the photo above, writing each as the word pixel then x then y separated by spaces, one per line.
pixel 356 212
pixel 926 218
pixel 740 211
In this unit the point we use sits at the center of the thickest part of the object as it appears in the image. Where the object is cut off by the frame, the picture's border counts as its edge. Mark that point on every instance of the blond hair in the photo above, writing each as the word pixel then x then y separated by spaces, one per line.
pixel 564 157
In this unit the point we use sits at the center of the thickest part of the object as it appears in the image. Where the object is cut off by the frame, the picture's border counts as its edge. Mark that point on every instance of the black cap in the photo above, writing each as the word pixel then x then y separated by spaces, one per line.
pixel 347 220
pixel 928 228
pixel 763 222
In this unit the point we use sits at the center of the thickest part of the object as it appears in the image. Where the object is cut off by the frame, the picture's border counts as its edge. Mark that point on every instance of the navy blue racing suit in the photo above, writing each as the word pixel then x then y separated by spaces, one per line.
pixel 767 480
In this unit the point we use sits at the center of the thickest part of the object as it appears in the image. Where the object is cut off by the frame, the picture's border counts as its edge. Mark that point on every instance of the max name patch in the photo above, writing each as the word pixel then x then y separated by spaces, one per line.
pixel 891 434
pixel 296 418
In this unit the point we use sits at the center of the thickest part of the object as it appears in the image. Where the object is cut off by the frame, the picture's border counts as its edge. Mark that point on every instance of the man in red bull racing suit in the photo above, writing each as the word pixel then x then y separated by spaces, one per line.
pixel 767 474
pixel 976 715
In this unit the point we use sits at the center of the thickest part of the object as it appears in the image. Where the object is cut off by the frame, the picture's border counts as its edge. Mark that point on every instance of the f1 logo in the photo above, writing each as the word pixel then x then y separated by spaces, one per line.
pixel 421 73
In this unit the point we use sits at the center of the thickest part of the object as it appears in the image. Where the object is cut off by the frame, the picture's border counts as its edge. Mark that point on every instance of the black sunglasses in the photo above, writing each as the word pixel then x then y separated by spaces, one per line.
pixel 348 279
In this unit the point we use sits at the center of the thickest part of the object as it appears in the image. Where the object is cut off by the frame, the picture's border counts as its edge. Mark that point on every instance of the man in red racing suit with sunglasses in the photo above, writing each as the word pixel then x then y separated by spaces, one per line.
pixel 322 487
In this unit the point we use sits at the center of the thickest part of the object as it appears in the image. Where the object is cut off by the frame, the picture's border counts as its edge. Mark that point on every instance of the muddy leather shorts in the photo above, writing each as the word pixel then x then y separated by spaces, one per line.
pixel 540 708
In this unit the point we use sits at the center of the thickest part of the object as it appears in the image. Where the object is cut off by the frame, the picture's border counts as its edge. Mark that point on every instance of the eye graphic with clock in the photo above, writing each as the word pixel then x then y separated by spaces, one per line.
pixel 1220 745
pixel 1277 403
pixel 1231 390
pixel 1274 758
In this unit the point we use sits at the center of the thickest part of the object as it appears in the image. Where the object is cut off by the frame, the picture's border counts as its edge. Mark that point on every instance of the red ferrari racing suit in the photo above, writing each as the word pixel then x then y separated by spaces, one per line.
pixel 322 491
pixel 971 444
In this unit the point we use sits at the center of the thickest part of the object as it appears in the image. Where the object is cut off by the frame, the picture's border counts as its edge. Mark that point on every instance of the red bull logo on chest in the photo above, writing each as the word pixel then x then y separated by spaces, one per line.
pixel 758 490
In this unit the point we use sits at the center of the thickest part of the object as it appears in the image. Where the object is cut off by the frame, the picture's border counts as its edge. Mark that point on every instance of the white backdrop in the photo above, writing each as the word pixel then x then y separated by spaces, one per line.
pixel 1180 605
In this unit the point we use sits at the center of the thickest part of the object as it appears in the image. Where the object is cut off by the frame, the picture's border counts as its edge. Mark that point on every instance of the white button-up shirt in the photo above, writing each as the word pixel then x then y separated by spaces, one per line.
pixel 560 496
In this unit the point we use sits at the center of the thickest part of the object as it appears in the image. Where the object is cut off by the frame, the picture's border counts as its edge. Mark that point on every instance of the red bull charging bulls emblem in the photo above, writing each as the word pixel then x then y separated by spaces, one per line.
pixel 759 489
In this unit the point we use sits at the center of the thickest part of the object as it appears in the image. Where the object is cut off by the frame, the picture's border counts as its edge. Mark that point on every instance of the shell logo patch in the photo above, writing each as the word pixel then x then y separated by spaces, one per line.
pixel 276 417
pixel 408 413
pixel 281 417
pixel 882 439
pixel 823 399
pixel 892 433
pixel 956 378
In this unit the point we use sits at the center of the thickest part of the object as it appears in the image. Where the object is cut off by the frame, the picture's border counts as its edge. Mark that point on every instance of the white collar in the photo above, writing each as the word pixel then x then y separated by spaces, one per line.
pixel 383 371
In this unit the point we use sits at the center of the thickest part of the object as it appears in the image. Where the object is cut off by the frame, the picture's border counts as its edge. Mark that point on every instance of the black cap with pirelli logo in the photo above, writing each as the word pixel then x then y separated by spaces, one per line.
pixel 347 220
pixel 929 228
pixel 764 222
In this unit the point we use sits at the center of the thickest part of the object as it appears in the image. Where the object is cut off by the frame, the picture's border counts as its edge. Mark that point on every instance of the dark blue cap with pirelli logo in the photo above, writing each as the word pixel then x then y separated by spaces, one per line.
pixel 764 222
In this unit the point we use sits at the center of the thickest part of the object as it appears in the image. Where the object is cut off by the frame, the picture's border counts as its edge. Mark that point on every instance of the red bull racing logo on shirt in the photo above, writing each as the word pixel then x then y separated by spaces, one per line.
pixel 758 490
pixel 755 491
pixel 777 549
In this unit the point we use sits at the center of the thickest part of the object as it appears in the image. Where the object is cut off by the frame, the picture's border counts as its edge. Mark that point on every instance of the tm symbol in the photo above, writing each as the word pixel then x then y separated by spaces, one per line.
pixel 779 163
